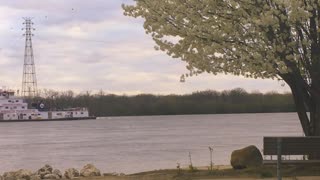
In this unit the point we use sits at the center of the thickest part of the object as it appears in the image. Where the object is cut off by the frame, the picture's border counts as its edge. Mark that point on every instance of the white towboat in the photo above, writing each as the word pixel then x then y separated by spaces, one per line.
pixel 14 108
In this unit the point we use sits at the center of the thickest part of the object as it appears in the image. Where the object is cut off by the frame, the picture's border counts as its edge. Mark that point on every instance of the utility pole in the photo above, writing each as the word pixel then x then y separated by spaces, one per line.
pixel 29 79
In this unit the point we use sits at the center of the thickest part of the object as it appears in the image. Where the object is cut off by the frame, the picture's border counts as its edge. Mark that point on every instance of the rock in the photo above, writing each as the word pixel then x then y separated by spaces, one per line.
pixel 35 177
pixel 24 174
pixel 51 176
pixel 247 157
pixel 46 169
pixel 71 173
pixel 18 175
pixel 57 172
pixel 90 170
pixel 9 176
pixel 110 174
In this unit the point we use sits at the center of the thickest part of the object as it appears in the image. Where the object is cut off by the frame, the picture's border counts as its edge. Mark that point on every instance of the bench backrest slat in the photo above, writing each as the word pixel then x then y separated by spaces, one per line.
pixel 292 145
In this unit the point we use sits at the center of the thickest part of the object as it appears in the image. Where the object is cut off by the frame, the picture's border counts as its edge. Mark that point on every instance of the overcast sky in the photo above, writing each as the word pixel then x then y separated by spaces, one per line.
pixel 88 45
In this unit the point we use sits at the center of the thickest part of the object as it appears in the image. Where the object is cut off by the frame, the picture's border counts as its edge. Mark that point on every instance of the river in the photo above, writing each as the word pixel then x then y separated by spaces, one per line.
pixel 139 143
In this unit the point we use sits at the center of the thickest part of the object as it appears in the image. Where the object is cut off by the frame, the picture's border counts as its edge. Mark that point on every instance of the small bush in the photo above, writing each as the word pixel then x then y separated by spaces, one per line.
pixel 266 174
pixel 192 168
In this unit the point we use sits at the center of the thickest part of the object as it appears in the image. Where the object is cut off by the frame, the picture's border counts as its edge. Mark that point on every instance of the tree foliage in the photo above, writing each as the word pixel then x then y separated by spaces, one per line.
pixel 254 38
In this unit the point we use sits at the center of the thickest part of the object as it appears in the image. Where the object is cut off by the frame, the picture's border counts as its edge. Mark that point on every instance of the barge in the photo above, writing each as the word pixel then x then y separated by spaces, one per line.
pixel 15 109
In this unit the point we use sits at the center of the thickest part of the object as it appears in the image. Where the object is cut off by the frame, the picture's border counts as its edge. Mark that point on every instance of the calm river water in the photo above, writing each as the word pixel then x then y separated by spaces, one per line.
pixel 134 144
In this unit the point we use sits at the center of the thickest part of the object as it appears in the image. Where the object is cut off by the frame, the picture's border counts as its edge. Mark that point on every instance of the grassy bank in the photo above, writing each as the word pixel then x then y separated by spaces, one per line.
pixel 265 172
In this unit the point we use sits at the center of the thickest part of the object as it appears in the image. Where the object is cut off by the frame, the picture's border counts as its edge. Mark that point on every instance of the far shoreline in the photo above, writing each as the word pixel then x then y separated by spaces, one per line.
pixel 166 115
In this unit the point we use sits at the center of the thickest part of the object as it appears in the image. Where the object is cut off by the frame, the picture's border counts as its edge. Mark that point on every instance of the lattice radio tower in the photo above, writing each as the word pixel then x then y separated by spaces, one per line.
pixel 29 79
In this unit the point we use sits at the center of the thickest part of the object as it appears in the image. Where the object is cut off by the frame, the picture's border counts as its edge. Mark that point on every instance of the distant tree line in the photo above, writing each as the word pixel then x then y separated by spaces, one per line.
pixel 202 102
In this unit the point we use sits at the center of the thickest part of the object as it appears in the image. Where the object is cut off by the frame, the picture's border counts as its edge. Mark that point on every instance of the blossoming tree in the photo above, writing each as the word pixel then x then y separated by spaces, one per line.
pixel 278 39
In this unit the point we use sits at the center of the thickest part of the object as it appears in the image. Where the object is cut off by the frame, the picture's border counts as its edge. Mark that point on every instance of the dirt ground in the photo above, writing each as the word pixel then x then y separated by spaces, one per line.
pixel 195 178
pixel 221 173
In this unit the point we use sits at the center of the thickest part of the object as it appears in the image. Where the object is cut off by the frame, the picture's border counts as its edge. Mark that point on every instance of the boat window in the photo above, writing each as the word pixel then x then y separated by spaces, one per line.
pixel 7 107
pixel 17 100
pixel 81 112
pixel 15 107
pixel 9 100
pixel 22 107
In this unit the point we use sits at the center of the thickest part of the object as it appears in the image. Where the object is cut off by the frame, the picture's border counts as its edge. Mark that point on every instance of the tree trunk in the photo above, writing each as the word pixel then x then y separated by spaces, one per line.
pixel 310 124
pixel 306 102
pixel 315 123
pixel 302 113
pixel 302 104
pixel 315 117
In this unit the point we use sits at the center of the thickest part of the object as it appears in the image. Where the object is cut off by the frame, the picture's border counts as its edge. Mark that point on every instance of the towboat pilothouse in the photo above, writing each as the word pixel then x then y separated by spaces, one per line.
pixel 14 108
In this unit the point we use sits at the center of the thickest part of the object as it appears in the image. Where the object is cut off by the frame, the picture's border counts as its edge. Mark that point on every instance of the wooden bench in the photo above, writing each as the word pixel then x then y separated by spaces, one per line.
pixel 290 146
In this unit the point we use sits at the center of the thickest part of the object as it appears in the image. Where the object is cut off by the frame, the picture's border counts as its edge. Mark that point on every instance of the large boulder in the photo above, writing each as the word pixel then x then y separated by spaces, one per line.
pixel 21 174
pixel 46 169
pixel 71 173
pixel 89 170
pixel 247 157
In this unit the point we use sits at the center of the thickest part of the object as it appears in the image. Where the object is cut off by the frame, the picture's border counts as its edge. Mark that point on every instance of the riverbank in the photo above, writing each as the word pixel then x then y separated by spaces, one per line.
pixel 224 172
pixel 233 178
pixel 221 172
pixel 90 172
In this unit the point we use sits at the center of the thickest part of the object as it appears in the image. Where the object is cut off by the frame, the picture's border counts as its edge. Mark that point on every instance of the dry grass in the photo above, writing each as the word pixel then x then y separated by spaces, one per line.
pixel 266 172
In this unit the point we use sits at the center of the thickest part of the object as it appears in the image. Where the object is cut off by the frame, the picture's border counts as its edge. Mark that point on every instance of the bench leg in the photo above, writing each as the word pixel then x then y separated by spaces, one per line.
pixel 279 159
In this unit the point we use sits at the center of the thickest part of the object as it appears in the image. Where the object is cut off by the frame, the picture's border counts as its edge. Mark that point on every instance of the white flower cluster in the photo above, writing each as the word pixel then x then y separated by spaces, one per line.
pixel 253 38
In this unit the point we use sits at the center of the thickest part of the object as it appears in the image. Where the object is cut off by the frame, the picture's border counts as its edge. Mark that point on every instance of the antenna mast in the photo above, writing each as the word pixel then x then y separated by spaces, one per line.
pixel 29 79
